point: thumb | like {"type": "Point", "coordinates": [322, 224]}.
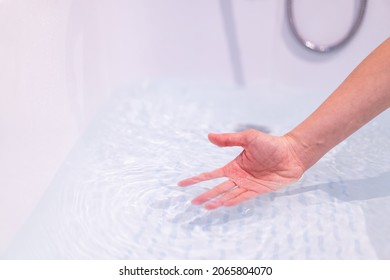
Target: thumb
{"type": "Point", "coordinates": [228, 139]}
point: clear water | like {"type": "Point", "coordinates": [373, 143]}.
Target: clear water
{"type": "Point", "coordinates": [115, 197]}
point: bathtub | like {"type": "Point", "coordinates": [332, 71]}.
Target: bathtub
{"type": "Point", "coordinates": [62, 62]}
{"type": "Point", "coordinates": [115, 196]}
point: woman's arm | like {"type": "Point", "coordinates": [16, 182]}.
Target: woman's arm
{"type": "Point", "coordinates": [361, 97]}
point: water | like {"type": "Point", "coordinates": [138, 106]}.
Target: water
{"type": "Point", "coordinates": [115, 197]}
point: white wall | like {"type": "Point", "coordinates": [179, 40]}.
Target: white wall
{"type": "Point", "coordinates": [60, 60]}
{"type": "Point", "coordinates": [270, 51]}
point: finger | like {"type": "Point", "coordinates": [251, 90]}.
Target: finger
{"type": "Point", "coordinates": [226, 197]}
{"type": "Point", "coordinates": [217, 173]}
{"type": "Point", "coordinates": [240, 198]}
{"type": "Point", "coordinates": [229, 139]}
{"type": "Point", "coordinates": [214, 192]}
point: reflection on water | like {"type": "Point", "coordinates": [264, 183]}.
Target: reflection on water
{"type": "Point", "coordinates": [115, 197]}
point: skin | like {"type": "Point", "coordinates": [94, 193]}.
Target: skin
{"type": "Point", "coordinates": [268, 163]}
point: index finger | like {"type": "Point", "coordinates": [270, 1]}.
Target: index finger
{"type": "Point", "coordinates": [217, 173]}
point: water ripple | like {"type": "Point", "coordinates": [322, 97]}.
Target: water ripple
{"type": "Point", "coordinates": [116, 197]}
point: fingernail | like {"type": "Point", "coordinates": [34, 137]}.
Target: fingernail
{"type": "Point", "coordinates": [196, 202]}
{"type": "Point", "coordinates": [213, 205]}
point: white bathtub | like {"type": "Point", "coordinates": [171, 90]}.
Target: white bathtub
{"type": "Point", "coordinates": [115, 196]}
{"type": "Point", "coordinates": [61, 61]}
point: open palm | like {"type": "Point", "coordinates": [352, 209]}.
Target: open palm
{"type": "Point", "coordinates": [266, 164]}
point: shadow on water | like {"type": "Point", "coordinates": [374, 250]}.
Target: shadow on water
{"type": "Point", "coordinates": [262, 128]}
{"type": "Point", "coordinates": [351, 190]}
{"type": "Point", "coordinates": [372, 195]}
{"type": "Point", "coordinates": [364, 191]}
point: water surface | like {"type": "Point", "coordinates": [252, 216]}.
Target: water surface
{"type": "Point", "coordinates": [115, 196]}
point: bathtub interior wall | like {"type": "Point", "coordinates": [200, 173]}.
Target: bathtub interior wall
{"type": "Point", "coordinates": [60, 61]}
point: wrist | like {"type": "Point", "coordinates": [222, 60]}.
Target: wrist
{"type": "Point", "coordinates": [305, 154]}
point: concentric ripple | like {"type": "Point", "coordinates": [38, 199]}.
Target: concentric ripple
{"type": "Point", "coordinates": [115, 197]}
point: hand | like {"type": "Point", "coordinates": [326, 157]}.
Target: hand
{"type": "Point", "coordinates": [266, 164]}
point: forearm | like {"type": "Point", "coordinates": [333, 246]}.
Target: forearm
{"type": "Point", "coordinates": [361, 97]}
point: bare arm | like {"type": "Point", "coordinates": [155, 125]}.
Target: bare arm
{"type": "Point", "coordinates": [268, 163]}
{"type": "Point", "coordinates": [361, 97]}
